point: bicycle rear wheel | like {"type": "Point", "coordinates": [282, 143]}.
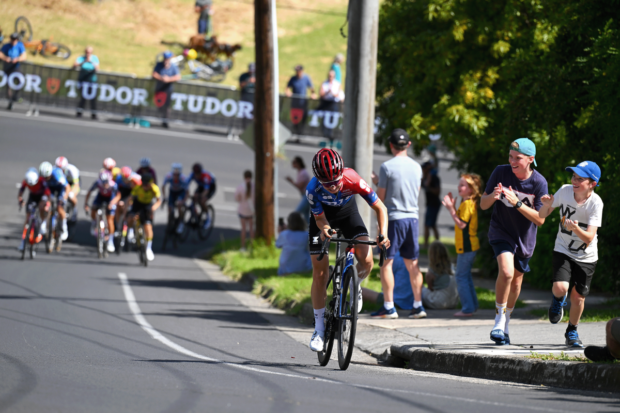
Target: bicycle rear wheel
{"type": "Point", "coordinates": [49, 245]}
{"type": "Point", "coordinates": [347, 326]}
{"type": "Point", "coordinates": [205, 225]}
{"type": "Point", "coordinates": [330, 331]}
{"type": "Point", "coordinates": [53, 50]}
{"type": "Point", "coordinates": [23, 27]}
{"type": "Point", "coordinates": [27, 239]}
{"type": "Point", "coordinates": [100, 238]}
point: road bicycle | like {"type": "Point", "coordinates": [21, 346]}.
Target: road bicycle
{"type": "Point", "coordinates": [46, 48]}
{"type": "Point", "coordinates": [71, 220]}
{"type": "Point", "coordinates": [121, 242]}
{"type": "Point", "coordinates": [31, 235]}
{"type": "Point", "coordinates": [140, 241]}
{"type": "Point", "coordinates": [102, 230]}
{"type": "Point", "coordinates": [201, 222]}
{"type": "Point", "coordinates": [341, 311]}
{"type": "Point", "coordinates": [211, 72]}
{"type": "Point", "coordinates": [53, 239]}
{"type": "Point", "coordinates": [171, 234]}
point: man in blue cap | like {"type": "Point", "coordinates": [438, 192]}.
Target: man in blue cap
{"type": "Point", "coordinates": [12, 54]}
{"type": "Point", "coordinates": [514, 223]}
{"type": "Point", "coordinates": [575, 254]}
{"type": "Point", "coordinates": [165, 73]}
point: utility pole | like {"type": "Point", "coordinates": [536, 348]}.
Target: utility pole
{"type": "Point", "coordinates": [360, 86]}
{"type": "Point", "coordinates": [264, 150]}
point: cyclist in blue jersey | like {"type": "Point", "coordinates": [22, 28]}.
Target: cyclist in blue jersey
{"type": "Point", "coordinates": [107, 192]}
{"type": "Point", "coordinates": [206, 185]}
{"type": "Point", "coordinates": [59, 187]}
{"type": "Point", "coordinates": [177, 196]}
{"type": "Point", "coordinates": [331, 197]}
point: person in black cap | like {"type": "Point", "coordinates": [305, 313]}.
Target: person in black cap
{"type": "Point", "coordinates": [398, 186]}
{"type": "Point", "coordinates": [12, 54]}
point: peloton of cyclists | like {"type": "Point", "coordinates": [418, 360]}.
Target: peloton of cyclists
{"type": "Point", "coordinates": [72, 173]}
{"type": "Point", "coordinates": [178, 193]}
{"type": "Point", "coordinates": [38, 194]}
{"type": "Point", "coordinates": [107, 192]}
{"type": "Point", "coordinates": [59, 187]}
{"type": "Point", "coordinates": [143, 196]}
{"type": "Point", "coordinates": [206, 186]}
{"type": "Point", "coordinates": [331, 197]}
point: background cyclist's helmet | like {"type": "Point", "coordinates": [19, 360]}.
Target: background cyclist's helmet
{"type": "Point", "coordinates": [177, 168]}
{"type": "Point", "coordinates": [327, 165]}
{"type": "Point", "coordinates": [145, 163]}
{"type": "Point", "coordinates": [126, 172]}
{"type": "Point", "coordinates": [62, 162]}
{"type": "Point", "coordinates": [32, 177]}
{"type": "Point", "coordinates": [105, 176]}
{"type": "Point", "coordinates": [109, 163]}
{"type": "Point", "coordinates": [147, 178]}
{"type": "Point", "coordinates": [197, 168]}
{"type": "Point", "coordinates": [45, 169]}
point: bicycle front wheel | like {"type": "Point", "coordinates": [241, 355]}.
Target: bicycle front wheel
{"type": "Point", "coordinates": [330, 331]}
{"type": "Point", "coordinates": [23, 28]}
{"type": "Point", "coordinates": [206, 223]}
{"type": "Point", "coordinates": [347, 325]}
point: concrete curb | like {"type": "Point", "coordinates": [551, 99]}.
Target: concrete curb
{"type": "Point", "coordinates": [565, 374]}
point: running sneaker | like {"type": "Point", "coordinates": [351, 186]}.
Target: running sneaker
{"type": "Point", "coordinates": [418, 312]}
{"type": "Point", "coordinates": [499, 337]}
{"type": "Point", "coordinates": [556, 312]}
{"type": "Point", "coordinates": [598, 354]}
{"type": "Point", "coordinates": [572, 339]}
{"type": "Point", "coordinates": [383, 313]}
{"type": "Point", "coordinates": [149, 255]}
{"type": "Point", "coordinates": [316, 342]}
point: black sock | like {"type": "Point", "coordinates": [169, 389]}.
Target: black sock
{"type": "Point", "coordinates": [571, 327]}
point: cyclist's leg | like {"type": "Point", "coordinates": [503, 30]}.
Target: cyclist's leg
{"type": "Point", "coordinates": [320, 269]}
{"type": "Point", "coordinates": [62, 196]}
{"type": "Point", "coordinates": [110, 213]}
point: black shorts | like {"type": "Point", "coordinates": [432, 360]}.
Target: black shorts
{"type": "Point", "coordinates": [125, 192]}
{"type": "Point", "coordinates": [346, 218]}
{"type": "Point", "coordinates": [576, 274]}
{"type": "Point", "coordinates": [34, 199]}
{"type": "Point", "coordinates": [144, 211]}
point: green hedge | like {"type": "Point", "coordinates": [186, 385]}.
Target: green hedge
{"type": "Point", "coordinates": [483, 73]}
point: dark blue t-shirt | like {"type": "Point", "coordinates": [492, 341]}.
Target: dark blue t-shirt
{"type": "Point", "coordinates": [165, 71]}
{"type": "Point", "coordinates": [300, 85]}
{"type": "Point", "coordinates": [508, 224]}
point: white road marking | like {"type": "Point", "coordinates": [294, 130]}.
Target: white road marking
{"type": "Point", "coordinates": [146, 326]}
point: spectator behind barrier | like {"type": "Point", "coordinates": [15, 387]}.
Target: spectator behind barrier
{"type": "Point", "coordinates": [295, 257]}
{"type": "Point", "coordinates": [441, 292]}
{"type": "Point", "coordinates": [166, 74]}
{"type": "Point", "coordinates": [336, 67]}
{"type": "Point", "coordinates": [89, 66]}
{"type": "Point", "coordinates": [303, 178]}
{"type": "Point", "coordinates": [12, 53]}
{"type": "Point", "coordinates": [244, 195]}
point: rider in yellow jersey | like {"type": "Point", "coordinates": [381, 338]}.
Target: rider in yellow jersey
{"type": "Point", "coordinates": [143, 197]}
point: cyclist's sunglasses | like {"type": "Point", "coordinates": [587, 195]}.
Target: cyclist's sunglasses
{"type": "Point", "coordinates": [329, 184]}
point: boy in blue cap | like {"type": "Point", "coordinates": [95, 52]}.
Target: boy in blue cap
{"type": "Point", "coordinates": [514, 223]}
{"type": "Point", "coordinates": [575, 253]}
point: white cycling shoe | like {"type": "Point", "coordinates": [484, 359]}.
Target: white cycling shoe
{"type": "Point", "coordinates": [317, 342]}
{"type": "Point", "coordinates": [65, 232]}
{"type": "Point", "coordinates": [43, 228]}
{"type": "Point", "coordinates": [111, 247]}
{"type": "Point", "coordinates": [360, 301]}
{"type": "Point", "coordinates": [149, 255]}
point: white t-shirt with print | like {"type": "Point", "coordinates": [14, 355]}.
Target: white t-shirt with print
{"type": "Point", "coordinates": [589, 213]}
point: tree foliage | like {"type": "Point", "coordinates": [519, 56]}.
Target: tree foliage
{"type": "Point", "coordinates": [483, 73]}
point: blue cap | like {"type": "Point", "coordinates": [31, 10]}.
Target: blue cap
{"type": "Point", "coordinates": [587, 169]}
{"type": "Point", "coordinates": [524, 146]}
{"type": "Point", "coordinates": [168, 54]}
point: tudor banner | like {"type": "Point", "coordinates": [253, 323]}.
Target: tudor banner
{"type": "Point", "coordinates": [190, 101]}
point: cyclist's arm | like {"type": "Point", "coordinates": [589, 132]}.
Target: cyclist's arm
{"type": "Point", "coordinates": [382, 217]}
{"type": "Point", "coordinates": [88, 196]}
{"type": "Point", "coordinates": [116, 198]}
{"type": "Point", "coordinates": [323, 225]}
{"type": "Point", "coordinates": [20, 193]}
{"type": "Point", "coordinates": [156, 204]}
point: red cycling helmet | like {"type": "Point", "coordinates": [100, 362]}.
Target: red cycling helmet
{"type": "Point", "coordinates": [327, 165]}
{"type": "Point", "coordinates": [126, 172]}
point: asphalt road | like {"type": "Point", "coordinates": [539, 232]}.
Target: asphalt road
{"type": "Point", "coordinates": [81, 334]}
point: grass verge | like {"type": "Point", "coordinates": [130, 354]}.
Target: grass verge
{"type": "Point", "coordinates": [604, 312]}
{"type": "Point", "coordinates": [564, 357]}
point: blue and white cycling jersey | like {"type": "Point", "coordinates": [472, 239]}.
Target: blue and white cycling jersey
{"type": "Point", "coordinates": [109, 192]}
{"type": "Point", "coordinates": [57, 180]}
{"type": "Point", "coordinates": [176, 185]}
{"type": "Point", "coordinates": [352, 184]}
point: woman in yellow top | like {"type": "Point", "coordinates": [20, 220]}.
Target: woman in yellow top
{"type": "Point", "coordinates": [143, 196]}
{"type": "Point", "coordinates": [466, 238]}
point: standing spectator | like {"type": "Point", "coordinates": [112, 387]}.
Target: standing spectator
{"type": "Point", "coordinates": [576, 246]}
{"type": "Point", "coordinates": [432, 187]}
{"type": "Point", "coordinates": [514, 224]}
{"type": "Point", "coordinates": [204, 8]}
{"type": "Point", "coordinates": [336, 67]}
{"type": "Point", "coordinates": [302, 181]}
{"type": "Point", "coordinates": [466, 238]}
{"type": "Point", "coordinates": [165, 73]}
{"type": "Point", "coordinates": [441, 292]}
{"type": "Point", "coordinates": [331, 93]}
{"type": "Point", "coordinates": [89, 66]}
{"type": "Point", "coordinates": [12, 53]}
{"type": "Point", "coordinates": [398, 185]}
{"type": "Point", "coordinates": [247, 84]}
{"type": "Point", "coordinates": [297, 87]}
{"type": "Point", "coordinates": [295, 255]}
{"type": "Point", "coordinates": [611, 351]}
{"type": "Point", "coordinates": [244, 195]}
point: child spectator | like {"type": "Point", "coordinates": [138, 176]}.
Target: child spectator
{"type": "Point", "coordinates": [441, 292]}
{"type": "Point", "coordinates": [295, 255]}
{"type": "Point", "coordinates": [244, 195]}
{"type": "Point", "coordinates": [466, 238]}
{"type": "Point", "coordinates": [575, 253]}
